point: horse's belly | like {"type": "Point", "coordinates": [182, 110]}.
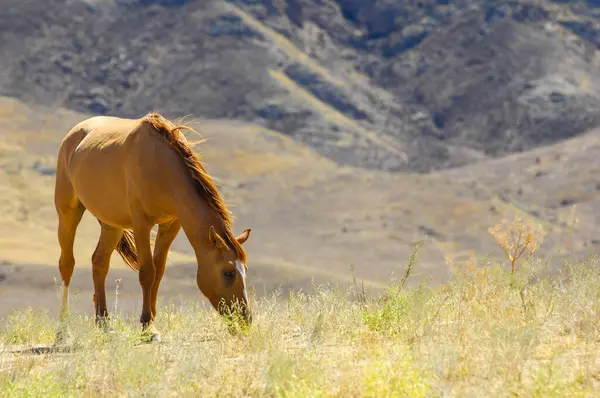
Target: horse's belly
{"type": "Point", "coordinates": [104, 201]}
{"type": "Point", "coordinates": [104, 204]}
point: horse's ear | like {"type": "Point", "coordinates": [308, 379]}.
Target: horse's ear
{"type": "Point", "coordinates": [215, 240]}
{"type": "Point", "coordinates": [243, 237]}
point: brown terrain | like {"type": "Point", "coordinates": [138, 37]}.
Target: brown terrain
{"type": "Point", "coordinates": [311, 218]}
{"type": "Point", "coordinates": [384, 84]}
{"type": "Point", "coordinates": [341, 132]}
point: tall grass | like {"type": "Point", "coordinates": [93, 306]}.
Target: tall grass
{"type": "Point", "coordinates": [486, 332]}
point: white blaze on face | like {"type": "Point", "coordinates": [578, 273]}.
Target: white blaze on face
{"type": "Point", "coordinates": [242, 270]}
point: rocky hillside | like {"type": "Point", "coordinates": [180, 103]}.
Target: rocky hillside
{"type": "Point", "coordinates": [411, 85]}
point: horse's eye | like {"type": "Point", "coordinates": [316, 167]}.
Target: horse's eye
{"type": "Point", "coordinates": [229, 276]}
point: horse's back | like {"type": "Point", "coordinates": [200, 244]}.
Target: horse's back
{"type": "Point", "coordinates": [112, 161]}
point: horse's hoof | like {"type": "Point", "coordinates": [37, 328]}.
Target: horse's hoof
{"type": "Point", "coordinates": [151, 338]}
{"type": "Point", "coordinates": [110, 334]}
{"type": "Point", "coordinates": [151, 335]}
{"type": "Point", "coordinates": [108, 329]}
{"type": "Point", "coordinates": [155, 337]}
{"type": "Point", "coordinates": [60, 337]}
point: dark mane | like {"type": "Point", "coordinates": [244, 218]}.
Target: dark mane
{"type": "Point", "coordinates": [204, 184]}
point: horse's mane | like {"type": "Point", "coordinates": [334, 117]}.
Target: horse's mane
{"type": "Point", "coordinates": [204, 184]}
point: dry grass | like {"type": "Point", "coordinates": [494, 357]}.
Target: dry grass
{"type": "Point", "coordinates": [486, 332]}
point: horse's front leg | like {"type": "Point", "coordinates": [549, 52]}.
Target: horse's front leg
{"type": "Point", "coordinates": [147, 274]}
{"type": "Point", "coordinates": [165, 237]}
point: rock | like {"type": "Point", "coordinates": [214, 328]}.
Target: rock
{"type": "Point", "coordinates": [46, 170]}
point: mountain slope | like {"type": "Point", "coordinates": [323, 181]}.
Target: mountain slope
{"type": "Point", "coordinates": [414, 86]}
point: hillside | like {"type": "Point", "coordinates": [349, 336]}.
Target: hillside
{"type": "Point", "coordinates": [412, 86]}
{"type": "Point", "coordinates": [311, 218]}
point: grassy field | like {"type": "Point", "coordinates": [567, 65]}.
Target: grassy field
{"type": "Point", "coordinates": [480, 332]}
{"type": "Point", "coordinates": [485, 332]}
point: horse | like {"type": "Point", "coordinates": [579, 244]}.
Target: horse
{"type": "Point", "coordinates": [133, 174]}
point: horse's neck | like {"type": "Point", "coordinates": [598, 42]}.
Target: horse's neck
{"type": "Point", "coordinates": [196, 217]}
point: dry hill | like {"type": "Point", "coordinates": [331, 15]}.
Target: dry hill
{"type": "Point", "coordinates": [411, 85]}
{"type": "Point", "coordinates": [311, 219]}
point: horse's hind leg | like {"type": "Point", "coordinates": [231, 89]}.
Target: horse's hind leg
{"type": "Point", "coordinates": [109, 238]}
{"type": "Point", "coordinates": [69, 210]}
{"type": "Point", "coordinates": [68, 220]}
{"type": "Point", "coordinates": [69, 217]}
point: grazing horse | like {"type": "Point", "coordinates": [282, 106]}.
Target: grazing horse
{"type": "Point", "coordinates": [132, 174]}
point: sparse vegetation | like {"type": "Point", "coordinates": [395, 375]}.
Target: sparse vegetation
{"type": "Point", "coordinates": [486, 332]}
{"type": "Point", "coordinates": [517, 237]}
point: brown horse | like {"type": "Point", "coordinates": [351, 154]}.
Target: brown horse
{"type": "Point", "coordinates": [132, 174]}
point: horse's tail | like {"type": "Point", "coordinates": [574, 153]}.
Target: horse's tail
{"type": "Point", "coordinates": [126, 248]}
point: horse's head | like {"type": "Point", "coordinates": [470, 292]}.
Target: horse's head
{"type": "Point", "coordinates": [222, 279]}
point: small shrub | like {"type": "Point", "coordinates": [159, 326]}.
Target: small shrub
{"type": "Point", "coordinates": [517, 237]}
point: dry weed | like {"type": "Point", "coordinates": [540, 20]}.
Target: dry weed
{"type": "Point", "coordinates": [517, 237]}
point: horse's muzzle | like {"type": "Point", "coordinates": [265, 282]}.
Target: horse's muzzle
{"type": "Point", "coordinates": [241, 309]}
